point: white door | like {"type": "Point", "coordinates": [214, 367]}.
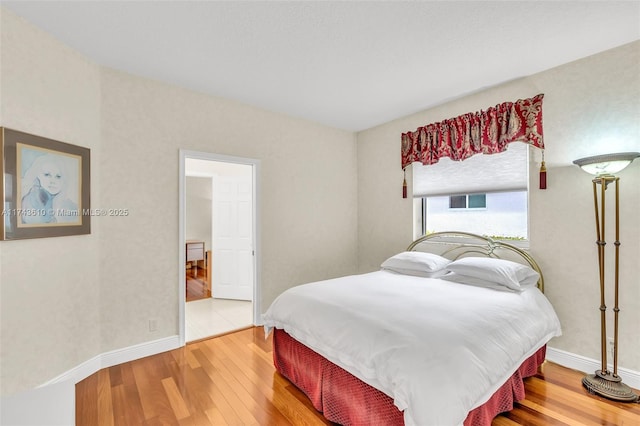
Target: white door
{"type": "Point", "coordinates": [232, 257]}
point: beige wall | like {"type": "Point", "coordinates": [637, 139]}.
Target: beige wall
{"type": "Point", "coordinates": [50, 287]}
{"type": "Point", "coordinates": [590, 107]}
{"type": "Point", "coordinates": [65, 300]}
{"type": "Point", "coordinates": [307, 181]}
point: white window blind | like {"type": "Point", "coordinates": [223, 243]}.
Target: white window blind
{"type": "Point", "coordinates": [506, 171]}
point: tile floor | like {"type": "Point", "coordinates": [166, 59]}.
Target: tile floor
{"type": "Point", "coordinates": [211, 317]}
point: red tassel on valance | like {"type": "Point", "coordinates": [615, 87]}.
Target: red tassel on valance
{"type": "Point", "coordinates": [404, 184]}
{"type": "Point", "coordinates": [543, 174]}
{"type": "Point", "coordinates": [482, 132]}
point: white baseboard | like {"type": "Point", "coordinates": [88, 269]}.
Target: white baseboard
{"type": "Point", "coordinates": [55, 399]}
{"type": "Point", "coordinates": [588, 365]}
{"type": "Point", "coordinates": [115, 357]}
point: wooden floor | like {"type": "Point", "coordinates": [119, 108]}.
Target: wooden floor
{"type": "Point", "coordinates": [231, 380]}
{"type": "Point", "coordinates": [195, 284]}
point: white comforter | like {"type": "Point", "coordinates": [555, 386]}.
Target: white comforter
{"type": "Point", "coordinates": [438, 348]}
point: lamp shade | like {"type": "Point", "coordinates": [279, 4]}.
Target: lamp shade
{"type": "Point", "coordinates": [606, 164]}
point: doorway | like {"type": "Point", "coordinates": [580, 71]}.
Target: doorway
{"type": "Point", "coordinates": [218, 244]}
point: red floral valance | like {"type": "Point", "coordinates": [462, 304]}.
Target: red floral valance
{"type": "Point", "coordinates": [486, 132]}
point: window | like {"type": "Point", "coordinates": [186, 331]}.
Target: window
{"type": "Point", "coordinates": [500, 214]}
{"type": "Point", "coordinates": [470, 201]}
{"type": "Point", "coordinates": [458, 202]}
{"type": "Point", "coordinates": [485, 194]}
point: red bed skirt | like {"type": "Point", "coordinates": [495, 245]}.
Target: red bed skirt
{"type": "Point", "coordinates": [342, 398]}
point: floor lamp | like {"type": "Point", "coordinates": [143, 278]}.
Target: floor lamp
{"type": "Point", "coordinates": [605, 382]}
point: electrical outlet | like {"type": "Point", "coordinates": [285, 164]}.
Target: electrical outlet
{"type": "Point", "coordinates": [611, 346]}
{"type": "Point", "coordinates": [153, 324]}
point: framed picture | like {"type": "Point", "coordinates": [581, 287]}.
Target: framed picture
{"type": "Point", "coordinates": [45, 187]}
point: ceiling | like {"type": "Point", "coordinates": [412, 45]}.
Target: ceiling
{"type": "Point", "coordinates": [349, 65]}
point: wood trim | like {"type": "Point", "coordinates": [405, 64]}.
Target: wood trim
{"type": "Point", "coordinates": [209, 270]}
{"type": "Point", "coordinates": [115, 357]}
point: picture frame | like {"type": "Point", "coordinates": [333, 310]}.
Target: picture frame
{"type": "Point", "coordinates": [46, 187]}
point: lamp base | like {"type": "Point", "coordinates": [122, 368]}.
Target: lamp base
{"type": "Point", "coordinates": [609, 386]}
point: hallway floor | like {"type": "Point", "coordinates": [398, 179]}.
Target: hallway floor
{"type": "Point", "coordinates": [211, 317]}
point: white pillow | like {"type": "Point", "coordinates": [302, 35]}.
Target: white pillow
{"type": "Point", "coordinates": [423, 274]}
{"type": "Point", "coordinates": [476, 282]}
{"type": "Point", "coordinates": [499, 271]}
{"type": "Point", "coordinates": [416, 263]}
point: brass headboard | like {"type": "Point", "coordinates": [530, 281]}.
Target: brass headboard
{"type": "Point", "coordinates": [454, 245]}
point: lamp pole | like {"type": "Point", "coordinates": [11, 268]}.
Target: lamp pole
{"type": "Point", "coordinates": [605, 382]}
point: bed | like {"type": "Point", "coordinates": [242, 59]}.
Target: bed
{"type": "Point", "coordinates": [442, 334]}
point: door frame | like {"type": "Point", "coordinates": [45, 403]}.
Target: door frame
{"type": "Point", "coordinates": [257, 299]}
